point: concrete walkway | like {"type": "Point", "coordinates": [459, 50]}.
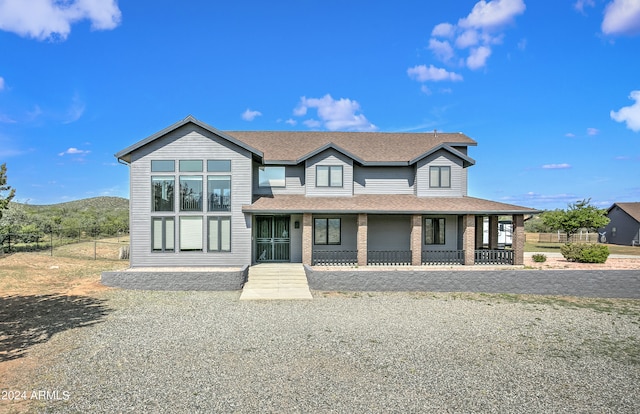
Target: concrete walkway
{"type": "Point", "coordinates": [276, 281]}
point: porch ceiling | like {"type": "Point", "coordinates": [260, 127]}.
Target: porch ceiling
{"type": "Point", "coordinates": [382, 204]}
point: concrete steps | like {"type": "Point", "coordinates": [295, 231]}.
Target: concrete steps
{"type": "Point", "coordinates": [276, 281]}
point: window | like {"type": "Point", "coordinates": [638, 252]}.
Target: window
{"type": "Point", "coordinates": [271, 177]}
{"type": "Point", "coordinates": [440, 177]}
{"type": "Point", "coordinates": [162, 234]}
{"type": "Point", "coordinates": [219, 188]}
{"type": "Point", "coordinates": [434, 231]}
{"type": "Point", "coordinates": [326, 231]}
{"type": "Point", "coordinates": [162, 193]}
{"type": "Point", "coordinates": [190, 165]}
{"type": "Point", "coordinates": [163, 166]}
{"type": "Point", "coordinates": [219, 166]}
{"type": "Point", "coordinates": [219, 237]}
{"type": "Point", "coordinates": [191, 193]}
{"type": "Point", "coordinates": [329, 176]}
{"type": "Point", "coordinates": [191, 233]}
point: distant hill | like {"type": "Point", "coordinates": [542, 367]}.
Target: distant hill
{"type": "Point", "coordinates": [106, 204]}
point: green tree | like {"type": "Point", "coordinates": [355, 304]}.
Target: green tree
{"type": "Point", "coordinates": [5, 200]}
{"type": "Point", "coordinates": [579, 215]}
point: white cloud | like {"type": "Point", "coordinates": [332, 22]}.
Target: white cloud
{"type": "Point", "coordinates": [492, 14]}
{"type": "Point", "coordinates": [478, 57]}
{"type": "Point", "coordinates": [622, 17]}
{"type": "Point", "coordinates": [75, 110]}
{"type": "Point", "coordinates": [74, 151]}
{"type": "Point", "coordinates": [556, 166]}
{"type": "Point", "coordinates": [422, 73]}
{"type": "Point", "coordinates": [291, 122]}
{"type": "Point", "coordinates": [593, 131]}
{"type": "Point", "coordinates": [52, 19]}
{"type": "Point", "coordinates": [425, 89]}
{"type": "Point", "coordinates": [629, 114]}
{"type": "Point", "coordinates": [581, 4]}
{"type": "Point", "coordinates": [442, 49]}
{"type": "Point", "coordinates": [341, 114]}
{"type": "Point", "coordinates": [467, 39]}
{"type": "Point", "coordinates": [444, 30]}
{"type": "Point", "coordinates": [1, 83]}
{"type": "Point", "coordinates": [250, 115]}
{"type": "Point", "coordinates": [570, 135]}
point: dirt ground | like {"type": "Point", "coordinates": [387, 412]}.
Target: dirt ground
{"type": "Point", "coordinates": [562, 263]}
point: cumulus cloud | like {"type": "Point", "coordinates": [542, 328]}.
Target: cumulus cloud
{"type": "Point", "coordinates": [629, 114]}
{"type": "Point", "coordinates": [73, 151]}
{"type": "Point", "coordinates": [442, 49]}
{"type": "Point", "coordinates": [556, 166]}
{"type": "Point", "coordinates": [1, 83]}
{"type": "Point", "coordinates": [422, 73]}
{"type": "Point", "coordinates": [443, 30]}
{"type": "Point", "coordinates": [340, 114]}
{"type": "Point", "coordinates": [478, 57]}
{"type": "Point", "coordinates": [52, 19]}
{"type": "Point", "coordinates": [622, 17]}
{"type": "Point", "coordinates": [250, 115]}
{"type": "Point", "coordinates": [593, 131]}
{"type": "Point", "coordinates": [492, 14]}
{"type": "Point", "coordinates": [581, 4]}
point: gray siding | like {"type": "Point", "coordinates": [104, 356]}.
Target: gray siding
{"type": "Point", "coordinates": [388, 232]}
{"type": "Point", "coordinates": [383, 180]}
{"type": "Point", "coordinates": [189, 142]}
{"type": "Point", "coordinates": [458, 176]}
{"type": "Point", "coordinates": [627, 228]}
{"type": "Point", "coordinates": [348, 233]}
{"type": "Point", "coordinates": [329, 157]}
{"type": "Point", "coordinates": [294, 179]}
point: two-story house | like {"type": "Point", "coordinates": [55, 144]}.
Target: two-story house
{"type": "Point", "coordinates": [204, 197]}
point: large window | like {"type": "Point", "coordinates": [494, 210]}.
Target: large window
{"type": "Point", "coordinates": [434, 231]}
{"type": "Point", "coordinates": [191, 233]}
{"type": "Point", "coordinates": [326, 231]}
{"type": "Point", "coordinates": [162, 234]}
{"type": "Point", "coordinates": [190, 165]}
{"type": "Point", "coordinates": [271, 177]}
{"type": "Point", "coordinates": [219, 193]}
{"type": "Point", "coordinates": [190, 193]}
{"type": "Point", "coordinates": [219, 165]}
{"type": "Point", "coordinates": [162, 193]}
{"type": "Point", "coordinates": [163, 166]}
{"type": "Point", "coordinates": [440, 177]}
{"type": "Point", "coordinates": [329, 176]}
{"type": "Point", "coordinates": [219, 236]}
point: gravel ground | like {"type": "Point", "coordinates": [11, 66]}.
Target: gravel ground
{"type": "Point", "coordinates": [173, 352]}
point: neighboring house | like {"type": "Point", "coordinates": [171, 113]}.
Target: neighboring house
{"type": "Point", "coordinates": [624, 227]}
{"type": "Point", "coordinates": [204, 197]}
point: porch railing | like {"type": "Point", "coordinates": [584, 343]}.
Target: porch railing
{"type": "Point", "coordinates": [442, 257]}
{"type": "Point", "coordinates": [494, 257]}
{"type": "Point", "coordinates": [389, 257]}
{"type": "Point", "coordinates": [335, 258]}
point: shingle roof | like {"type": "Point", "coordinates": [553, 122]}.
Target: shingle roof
{"type": "Point", "coordinates": [378, 204]}
{"type": "Point", "coordinates": [632, 209]}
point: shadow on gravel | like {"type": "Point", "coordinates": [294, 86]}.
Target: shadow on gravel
{"type": "Point", "coordinates": [26, 321]}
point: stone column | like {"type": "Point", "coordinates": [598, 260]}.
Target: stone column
{"type": "Point", "coordinates": [479, 232]}
{"type": "Point", "coordinates": [362, 239]}
{"type": "Point", "coordinates": [493, 232]}
{"type": "Point", "coordinates": [469, 239]}
{"type": "Point", "coordinates": [517, 239]}
{"type": "Point", "coordinates": [307, 238]}
{"type": "Point", "coordinates": [416, 240]}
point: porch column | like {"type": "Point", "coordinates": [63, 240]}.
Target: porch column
{"type": "Point", "coordinates": [479, 232]}
{"type": "Point", "coordinates": [469, 239]}
{"type": "Point", "coordinates": [416, 240]}
{"type": "Point", "coordinates": [362, 239]}
{"type": "Point", "coordinates": [493, 232]}
{"type": "Point", "coordinates": [307, 238]}
{"type": "Point", "coordinates": [517, 239]}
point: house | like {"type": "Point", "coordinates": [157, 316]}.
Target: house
{"type": "Point", "coordinates": [205, 197]}
{"type": "Point", "coordinates": [624, 227]}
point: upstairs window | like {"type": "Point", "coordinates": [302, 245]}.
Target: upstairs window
{"type": "Point", "coordinates": [440, 177]}
{"type": "Point", "coordinates": [434, 231]}
{"type": "Point", "coordinates": [329, 176]}
{"type": "Point", "coordinates": [162, 193]}
{"type": "Point", "coordinates": [163, 166]}
{"type": "Point", "coordinates": [219, 165]}
{"type": "Point", "coordinates": [190, 165]}
{"type": "Point", "coordinates": [191, 193]}
{"type": "Point", "coordinates": [271, 177]}
{"type": "Point", "coordinates": [219, 197]}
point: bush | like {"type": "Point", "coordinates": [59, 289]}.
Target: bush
{"type": "Point", "coordinates": [585, 252]}
{"type": "Point", "coordinates": [539, 258]}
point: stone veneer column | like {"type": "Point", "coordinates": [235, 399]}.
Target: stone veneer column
{"type": "Point", "coordinates": [307, 238]}
{"type": "Point", "coordinates": [362, 239]}
{"type": "Point", "coordinates": [469, 239]}
{"type": "Point", "coordinates": [479, 232]}
{"type": "Point", "coordinates": [493, 232]}
{"type": "Point", "coordinates": [416, 240]}
{"type": "Point", "coordinates": [517, 239]}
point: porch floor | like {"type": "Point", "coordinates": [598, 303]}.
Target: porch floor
{"type": "Point", "coordinates": [276, 281]}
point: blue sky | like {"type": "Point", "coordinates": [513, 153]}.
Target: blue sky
{"type": "Point", "coordinates": [549, 89]}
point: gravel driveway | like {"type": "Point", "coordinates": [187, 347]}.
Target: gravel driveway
{"type": "Point", "coordinates": [173, 352]}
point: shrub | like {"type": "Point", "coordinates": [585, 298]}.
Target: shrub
{"type": "Point", "coordinates": [539, 258]}
{"type": "Point", "coordinates": [585, 252]}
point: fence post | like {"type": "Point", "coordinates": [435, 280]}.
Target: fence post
{"type": "Point", "coordinates": [95, 247]}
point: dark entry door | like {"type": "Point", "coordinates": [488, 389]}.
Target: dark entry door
{"type": "Point", "coordinates": [272, 239]}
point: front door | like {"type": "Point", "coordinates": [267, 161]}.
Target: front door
{"type": "Point", "coordinates": [272, 238]}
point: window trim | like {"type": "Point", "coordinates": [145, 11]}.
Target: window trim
{"type": "Point", "coordinates": [436, 228]}
{"type": "Point", "coordinates": [326, 230]}
{"type": "Point", "coordinates": [439, 168]}
{"type": "Point", "coordinates": [331, 171]}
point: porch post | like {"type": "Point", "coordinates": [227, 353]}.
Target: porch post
{"type": "Point", "coordinates": [416, 240]}
{"type": "Point", "coordinates": [479, 232]}
{"type": "Point", "coordinates": [469, 239]}
{"type": "Point", "coordinates": [362, 239]}
{"type": "Point", "coordinates": [307, 238]}
{"type": "Point", "coordinates": [493, 232]}
{"type": "Point", "coordinates": [517, 239]}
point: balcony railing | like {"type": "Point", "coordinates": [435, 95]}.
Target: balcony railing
{"type": "Point", "coordinates": [494, 257]}
{"type": "Point", "coordinates": [442, 257]}
{"type": "Point", "coordinates": [389, 257]}
{"type": "Point", "coordinates": [335, 258]}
